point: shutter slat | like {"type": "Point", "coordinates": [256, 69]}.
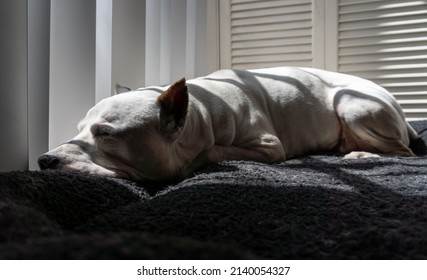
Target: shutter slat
{"type": "Point", "coordinates": [297, 25]}
{"type": "Point", "coordinates": [292, 2]}
{"type": "Point", "coordinates": [403, 39]}
{"type": "Point", "coordinates": [383, 22]}
{"type": "Point", "coordinates": [379, 48]}
{"type": "Point", "coordinates": [386, 66]}
{"type": "Point", "coordinates": [271, 35]}
{"type": "Point", "coordinates": [383, 32]}
{"type": "Point", "coordinates": [383, 5]}
{"type": "Point", "coordinates": [237, 14]}
{"type": "Point", "coordinates": [382, 58]}
{"type": "Point", "coordinates": [270, 43]}
{"type": "Point", "coordinates": [270, 58]}
{"type": "Point", "coordinates": [265, 64]}
{"type": "Point", "coordinates": [400, 13]}
{"type": "Point", "coordinates": [270, 19]}
{"type": "Point", "coordinates": [271, 50]}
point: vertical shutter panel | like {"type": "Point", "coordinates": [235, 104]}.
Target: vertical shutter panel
{"type": "Point", "coordinates": [386, 42]}
{"type": "Point", "coordinates": [270, 33]}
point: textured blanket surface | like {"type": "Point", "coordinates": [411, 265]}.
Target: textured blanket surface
{"type": "Point", "coordinates": [313, 207]}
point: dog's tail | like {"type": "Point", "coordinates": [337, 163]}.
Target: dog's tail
{"type": "Point", "coordinates": [417, 144]}
{"type": "Point", "coordinates": [413, 135]}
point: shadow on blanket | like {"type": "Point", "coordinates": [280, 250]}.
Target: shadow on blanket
{"type": "Point", "coordinates": [314, 207]}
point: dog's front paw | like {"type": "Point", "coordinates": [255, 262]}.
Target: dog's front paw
{"type": "Point", "coordinates": [357, 155]}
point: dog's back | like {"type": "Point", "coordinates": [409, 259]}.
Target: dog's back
{"type": "Point", "coordinates": [298, 105]}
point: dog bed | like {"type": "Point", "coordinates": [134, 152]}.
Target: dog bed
{"type": "Point", "coordinates": [312, 207]}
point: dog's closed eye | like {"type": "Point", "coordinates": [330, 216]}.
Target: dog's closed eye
{"type": "Point", "coordinates": [101, 130]}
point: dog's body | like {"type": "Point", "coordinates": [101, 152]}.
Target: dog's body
{"type": "Point", "coordinates": [267, 115]}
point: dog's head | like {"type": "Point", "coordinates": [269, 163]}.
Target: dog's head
{"type": "Point", "coordinates": [128, 135]}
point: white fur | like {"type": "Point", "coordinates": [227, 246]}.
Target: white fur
{"type": "Point", "coordinates": [267, 115]}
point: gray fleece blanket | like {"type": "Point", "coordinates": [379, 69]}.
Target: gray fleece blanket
{"type": "Point", "coordinates": [313, 207]}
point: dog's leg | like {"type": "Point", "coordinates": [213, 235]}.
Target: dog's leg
{"type": "Point", "coordinates": [370, 127]}
{"type": "Point", "coordinates": [360, 141]}
{"type": "Point", "coordinates": [267, 149]}
{"type": "Point", "coordinates": [357, 155]}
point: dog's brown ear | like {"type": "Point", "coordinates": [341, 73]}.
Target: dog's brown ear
{"type": "Point", "coordinates": [173, 107]}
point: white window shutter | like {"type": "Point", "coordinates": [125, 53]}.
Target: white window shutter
{"type": "Point", "coordinates": [386, 42]}
{"type": "Point", "coordinates": [382, 40]}
{"type": "Point", "coordinates": [266, 33]}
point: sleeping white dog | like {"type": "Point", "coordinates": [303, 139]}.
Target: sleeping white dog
{"type": "Point", "coordinates": [266, 115]}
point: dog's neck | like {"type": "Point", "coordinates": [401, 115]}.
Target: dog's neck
{"type": "Point", "coordinates": [195, 137]}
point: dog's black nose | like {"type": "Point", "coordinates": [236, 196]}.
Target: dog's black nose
{"type": "Point", "coordinates": [48, 162]}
